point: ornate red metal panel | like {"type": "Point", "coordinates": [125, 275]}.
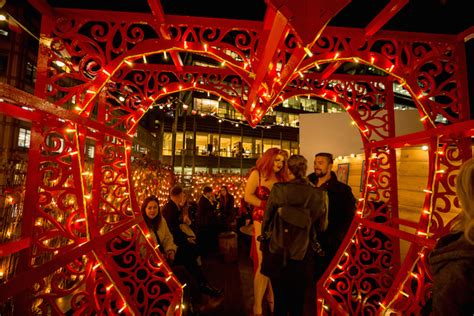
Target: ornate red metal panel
{"type": "Point", "coordinates": [82, 225]}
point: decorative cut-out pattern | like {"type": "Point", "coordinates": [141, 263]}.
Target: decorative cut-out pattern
{"type": "Point", "coordinates": [83, 233]}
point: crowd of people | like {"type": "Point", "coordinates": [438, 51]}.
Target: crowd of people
{"type": "Point", "coordinates": [187, 231]}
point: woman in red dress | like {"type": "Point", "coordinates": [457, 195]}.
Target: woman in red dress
{"type": "Point", "coordinates": [269, 169]}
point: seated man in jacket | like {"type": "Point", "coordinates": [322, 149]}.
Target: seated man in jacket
{"type": "Point", "coordinates": [187, 253]}
{"type": "Point", "coordinates": [172, 212]}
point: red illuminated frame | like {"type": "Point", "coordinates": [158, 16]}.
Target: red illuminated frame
{"type": "Point", "coordinates": [110, 70]}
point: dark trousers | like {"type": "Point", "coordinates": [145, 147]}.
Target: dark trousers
{"type": "Point", "coordinates": [207, 239]}
{"type": "Point", "coordinates": [291, 285]}
{"type": "Point", "coordinates": [186, 256]}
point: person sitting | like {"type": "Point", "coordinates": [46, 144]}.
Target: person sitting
{"type": "Point", "coordinates": [452, 260]}
{"type": "Point", "coordinates": [183, 264]}
{"type": "Point", "coordinates": [176, 217]}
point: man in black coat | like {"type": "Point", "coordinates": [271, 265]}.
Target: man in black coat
{"type": "Point", "coordinates": [187, 253]}
{"type": "Point", "coordinates": [173, 215]}
{"type": "Point", "coordinates": [206, 222]}
{"type": "Point", "coordinates": [342, 205]}
{"type": "Point", "coordinates": [341, 210]}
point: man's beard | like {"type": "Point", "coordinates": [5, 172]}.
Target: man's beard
{"type": "Point", "coordinates": [319, 173]}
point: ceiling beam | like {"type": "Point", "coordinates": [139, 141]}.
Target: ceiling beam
{"type": "Point", "coordinates": [157, 10]}
{"type": "Point", "coordinates": [330, 69]}
{"type": "Point", "coordinates": [42, 6]}
{"type": "Point", "coordinates": [309, 17]}
{"type": "Point", "coordinates": [159, 14]}
{"type": "Point", "coordinates": [275, 25]}
{"type": "Point", "coordinates": [384, 16]}
{"type": "Point", "coordinates": [466, 35]}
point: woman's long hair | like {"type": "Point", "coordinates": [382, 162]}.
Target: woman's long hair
{"type": "Point", "coordinates": [152, 223]}
{"type": "Point", "coordinates": [465, 194]}
{"type": "Point", "coordinates": [264, 164]}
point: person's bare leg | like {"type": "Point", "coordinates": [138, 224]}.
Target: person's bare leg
{"type": "Point", "coordinates": [269, 296]}
{"type": "Point", "coordinates": [260, 282]}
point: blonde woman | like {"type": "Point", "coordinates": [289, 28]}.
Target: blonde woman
{"type": "Point", "coordinates": [452, 260]}
{"type": "Point", "coordinates": [269, 169]}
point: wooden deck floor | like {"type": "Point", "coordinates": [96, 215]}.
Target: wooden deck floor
{"type": "Point", "coordinates": [236, 279]}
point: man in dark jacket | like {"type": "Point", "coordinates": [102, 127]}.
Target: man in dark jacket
{"type": "Point", "coordinates": [206, 222]}
{"type": "Point", "coordinates": [172, 213]}
{"type": "Point", "coordinates": [187, 253]}
{"type": "Point", "coordinates": [342, 205]}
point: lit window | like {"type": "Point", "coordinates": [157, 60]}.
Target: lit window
{"type": "Point", "coordinates": [206, 105]}
{"type": "Point", "coordinates": [90, 151]}
{"type": "Point", "coordinates": [24, 138]}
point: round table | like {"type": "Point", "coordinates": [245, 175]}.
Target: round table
{"type": "Point", "coordinates": [247, 230]}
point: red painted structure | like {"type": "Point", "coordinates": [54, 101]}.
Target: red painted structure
{"type": "Point", "coordinates": [83, 238]}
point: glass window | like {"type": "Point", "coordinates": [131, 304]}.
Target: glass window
{"type": "Point", "coordinates": [276, 143]}
{"type": "Point", "coordinates": [24, 136]}
{"type": "Point", "coordinates": [285, 119]}
{"type": "Point", "coordinates": [167, 144]}
{"type": "Point", "coordinates": [225, 149]}
{"type": "Point", "coordinates": [90, 151]}
{"type": "Point", "coordinates": [258, 148]}
{"type": "Point", "coordinates": [204, 64]}
{"type": "Point", "coordinates": [30, 73]}
{"type": "Point", "coordinates": [294, 103]}
{"type": "Point", "coordinates": [267, 144]}
{"type": "Point", "coordinates": [206, 105]}
{"type": "Point", "coordinates": [238, 116]}
{"type": "Point", "coordinates": [201, 143]}
{"type": "Point", "coordinates": [293, 119]}
{"type": "Point", "coordinates": [294, 148]}
{"type": "Point", "coordinates": [279, 118]}
{"type": "Point", "coordinates": [223, 110]}
{"type": "Point", "coordinates": [309, 104]}
{"type": "Point", "coordinates": [236, 146]}
{"type": "Point", "coordinates": [179, 143]}
{"type": "Point", "coordinates": [189, 142]}
{"type": "Point", "coordinates": [247, 148]}
{"type": "Point", "coordinates": [213, 145]}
